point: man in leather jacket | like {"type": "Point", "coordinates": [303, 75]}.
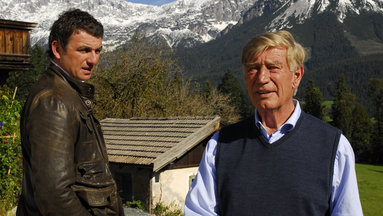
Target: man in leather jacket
{"type": "Point", "coordinates": [65, 162]}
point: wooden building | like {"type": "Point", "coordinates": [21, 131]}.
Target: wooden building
{"type": "Point", "coordinates": [15, 46]}
{"type": "Point", "coordinates": [156, 159]}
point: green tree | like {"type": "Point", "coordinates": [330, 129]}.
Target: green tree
{"type": "Point", "coordinates": [144, 80]}
{"type": "Point", "coordinates": [207, 90]}
{"type": "Point", "coordinates": [232, 87]}
{"type": "Point", "coordinates": [361, 134]}
{"type": "Point", "coordinates": [25, 79]}
{"type": "Point", "coordinates": [313, 100]}
{"type": "Point", "coordinates": [375, 92]}
{"type": "Point", "coordinates": [341, 112]}
{"type": "Point", "coordinates": [135, 81]}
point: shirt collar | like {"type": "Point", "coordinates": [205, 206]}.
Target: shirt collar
{"type": "Point", "coordinates": [60, 68]}
{"type": "Point", "coordinates": [85, 89]}
{"type": "Point", "coordinates": [288, 125]}
{"type": "Point", "coordinates": [68, 74]}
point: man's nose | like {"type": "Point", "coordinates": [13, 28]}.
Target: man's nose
{"type": "Point", "coordinates": [92, 58]}
{"type": "Point", "coordinates": [263, 75]}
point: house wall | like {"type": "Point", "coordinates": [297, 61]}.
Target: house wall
{"type": "Point", "coordinates": [14, 41]}
{"type": "Point", "coordinates": [172, 186]}
{"type": "Point", "coordinates": [15, 47]}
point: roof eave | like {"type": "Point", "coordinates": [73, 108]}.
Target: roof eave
{"type": "Point", "coordinates": [185, 145]}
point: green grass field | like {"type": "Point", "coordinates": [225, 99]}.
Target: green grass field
{"type": "Point", "coordinates": [370, 182]}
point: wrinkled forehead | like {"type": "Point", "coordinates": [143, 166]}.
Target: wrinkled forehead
{"type": "Point", "coordinates": [267, 55]}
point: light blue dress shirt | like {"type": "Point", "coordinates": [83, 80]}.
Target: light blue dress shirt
{"type": "Point", "coordinates": [201, 199]}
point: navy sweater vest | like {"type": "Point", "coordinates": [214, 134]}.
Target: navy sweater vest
{"type": "Point", "coordinates": [292, 176]}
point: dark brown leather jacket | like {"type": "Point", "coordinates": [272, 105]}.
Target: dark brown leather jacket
{"type": "Point", "coordinates": [66, 169]}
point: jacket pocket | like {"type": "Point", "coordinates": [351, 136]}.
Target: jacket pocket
{"type": "Point", "coordinates": [95, 197]}
{"type": "Point", "coordinates": [94, 173]}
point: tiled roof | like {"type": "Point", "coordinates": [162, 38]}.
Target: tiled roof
{"type": "Point", "coordinates": [156, 141]}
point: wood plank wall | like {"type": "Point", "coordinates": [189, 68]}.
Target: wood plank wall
{"type": "Point", "coordinates": [14, 44]}
{"type": "Point", "coordinates": [15, 47]}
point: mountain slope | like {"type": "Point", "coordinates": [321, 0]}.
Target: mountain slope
{"type": "Point", "coordinates": [291, 12]}
{"type": "Point", "coordinates": [183, 22]}
{"type": "Point", "coordinates": [331, 34]}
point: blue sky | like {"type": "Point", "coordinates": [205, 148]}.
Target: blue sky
{"type": "Point", "coordinates": [151, 2]}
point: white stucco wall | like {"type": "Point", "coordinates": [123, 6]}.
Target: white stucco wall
{"type": "Point", "coordinates": [172, 186]}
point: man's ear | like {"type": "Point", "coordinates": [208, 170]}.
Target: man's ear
{"type": "Point", "coordinates": [56, 49]}
{"type": "Point", "coordinates": [297, 76]}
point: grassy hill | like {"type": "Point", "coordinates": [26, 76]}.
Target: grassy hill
{"type": "Point", "coordinates": [370, 182]}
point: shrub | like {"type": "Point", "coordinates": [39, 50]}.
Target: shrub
{"type": "Point", "coordinates": [136, 204]}
{"type": "Point", "coordinates": [167, 210]}
{"type": "Point", "coordinates": [10, 150]}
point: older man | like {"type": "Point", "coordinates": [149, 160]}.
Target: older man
{"type": "Point", "coordinates": [281, 161]}
{"type": "Point", "coordinates": [66, 169]}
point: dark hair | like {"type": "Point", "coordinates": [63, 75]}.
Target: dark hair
{"type": "Point", "coordinates": [71, 21]}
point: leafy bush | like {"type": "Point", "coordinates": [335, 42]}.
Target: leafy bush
{"type": "Point", "coordinates": [136, 204]}
{"type": "Point", "coordinates": [10, 150]}
{"type": "Point", "coordinates": [167, 210]}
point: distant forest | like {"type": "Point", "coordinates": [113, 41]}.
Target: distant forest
{"type": "Point", "coordinates": [357, 72]}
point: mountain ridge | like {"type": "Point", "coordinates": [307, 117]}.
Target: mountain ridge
{"type": "Point", "coordinates": [331, 44]}
{"type": "Point", "coordinates": [184, 22]}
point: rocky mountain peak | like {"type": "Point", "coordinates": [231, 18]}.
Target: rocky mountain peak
{"type": "Point", "coordinates": [180, 23]}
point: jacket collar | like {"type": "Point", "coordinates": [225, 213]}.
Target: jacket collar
{"type": "Point", "coordinates": [84, 89]}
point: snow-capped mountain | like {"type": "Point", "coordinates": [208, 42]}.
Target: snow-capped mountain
{"type": "Point", "coordinates": [331, 31]}
{"type": "Point", "coordinates": [290, 12]}
{"type": "Point", "coordinates": [183, 22]}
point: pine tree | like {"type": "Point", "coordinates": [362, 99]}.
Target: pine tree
{"type": "Point", "coordinates": [361, 134]}
{"type": "Point", "coordinates": [24, 80]}
{"type": "Point", "coordinates": [375, 91]}
{"type": "Point", "coordinates": [313, 100]}
{"type": "Point", "coordinates": [207, 90]}
{"type": "Point", "coordinates": [341, 112]}
{"type": "Point", "coordinates": [230, 85]}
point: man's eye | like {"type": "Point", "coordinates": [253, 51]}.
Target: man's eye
{"type": "Point", "coordinates": [84, 50]}
{"type": "Point", "coordinates": [273, 67]}
{"type": "Point", "coordinates": [252, 70]}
